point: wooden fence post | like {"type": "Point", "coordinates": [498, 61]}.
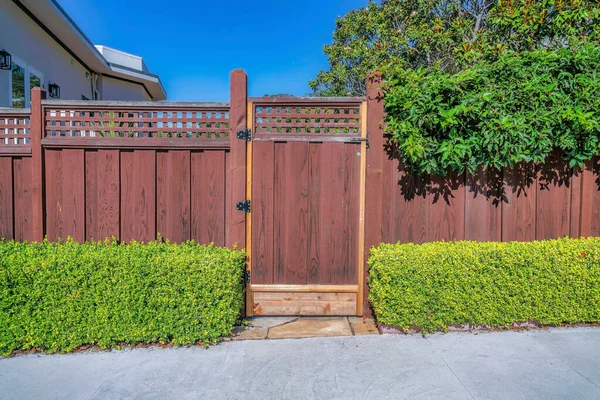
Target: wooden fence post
{"type": "Point", "coordinates": [36, 132]}
{"type": "Point", "coordinates": [374, 179]}
{"type": "Point", "coordinates": [238, 115]}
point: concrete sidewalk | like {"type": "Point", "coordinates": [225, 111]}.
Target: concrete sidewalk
{"type": "Point", "coordinates": [542, 364]}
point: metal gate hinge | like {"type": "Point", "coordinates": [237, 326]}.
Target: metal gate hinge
{"type": "Point", "coordinates": [243, 206]}
{"type": "Point", "coordinates": [247, 276]}
{"type": "Point", "coordinates": [245, 134]}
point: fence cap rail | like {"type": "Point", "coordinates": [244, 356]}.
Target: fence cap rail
{"type": "Point", "coordinates": [135, 104]}
{"type": "Point", "coordinates": [14, 111]}
{"type": "Point", "coordinates": [315, 100]}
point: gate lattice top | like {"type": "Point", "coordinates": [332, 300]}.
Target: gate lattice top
{"type": "Point", "coordinates": [307, 117]}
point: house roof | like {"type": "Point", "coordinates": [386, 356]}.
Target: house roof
{"type": "Point", "coordinates": [100, 59]}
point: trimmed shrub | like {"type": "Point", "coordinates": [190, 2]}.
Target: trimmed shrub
{"type": "Point", "coordinates": [436, 285]}
{"type": "Point", "coordinates": [60, 296]}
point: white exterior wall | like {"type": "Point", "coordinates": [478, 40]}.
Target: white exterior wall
{"type": "Point", "coordinates": [115, 89]}
{"type": "Point", "coordinates": [23, 38]}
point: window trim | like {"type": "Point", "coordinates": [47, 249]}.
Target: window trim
{"type": "Point", "coordinates": [29, 69]}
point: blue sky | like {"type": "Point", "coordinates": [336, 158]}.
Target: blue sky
{"type": "Point", "coordinates": [194, 45]}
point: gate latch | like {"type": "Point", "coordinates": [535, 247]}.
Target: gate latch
{"type": "Point", "coordinates": [243, 206]}
{"type": "Point", "coordinates": [246, 135]}
{"type": "Point", "coordinates": [361, 139]}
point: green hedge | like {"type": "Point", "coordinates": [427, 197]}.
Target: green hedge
{"type": "Point", "coordinates": [58, 297]}
{"type": "Point", "coordinates": [435, 285]}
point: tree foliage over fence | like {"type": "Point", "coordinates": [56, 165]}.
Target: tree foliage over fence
{"type": "Point", "coordinates": [473, 83]}
{"type": "Point", "coordinates": [517, 109]}
{"type": "Point", "coordinates": [449, 35]}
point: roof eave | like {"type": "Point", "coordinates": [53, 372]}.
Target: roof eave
{"type": "Point", "coordinates": [75, 41]}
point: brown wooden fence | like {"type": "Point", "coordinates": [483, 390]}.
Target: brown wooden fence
{"type": "Point", "coordinates": [116, 169]}
{"type": "Point", "coordinates": [132, 170]}
{"type": "Point", "coordinates": [522, 203]}
{"type": "Point", "coordinates": [15, 176]}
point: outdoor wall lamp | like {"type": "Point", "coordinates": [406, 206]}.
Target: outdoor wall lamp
{"type": "Point", "coordinates": [54, 90]}
{"type": "Point", "coordinates": [5, 60]}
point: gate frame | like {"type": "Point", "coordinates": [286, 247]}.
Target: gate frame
{"type": "Point", "coordinates": [359, 288]}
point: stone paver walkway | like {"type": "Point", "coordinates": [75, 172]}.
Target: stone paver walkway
{"type": "Point", "coordinates": [304, 327]}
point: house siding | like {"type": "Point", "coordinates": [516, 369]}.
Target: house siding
{"type": "Point", "coordinates": [115, 89]}
{"type": "Point", "coordinates": [23, 38]}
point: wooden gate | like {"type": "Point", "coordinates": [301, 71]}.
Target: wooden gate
{"type": "Point", "coordinates": [305, 237]}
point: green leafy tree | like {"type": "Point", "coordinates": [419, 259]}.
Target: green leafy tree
{"type": "Point", "coordinates": [520, 108]}
{"type": "Point", "coordinates": [448, 35]}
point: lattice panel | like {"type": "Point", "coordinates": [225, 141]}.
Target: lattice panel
{"type": "Point", "coordinates": [307, 119]}
{"type": "Point", "coordinates": [197, 124]}
{"type": "Point", "coordinates": [14, 129]}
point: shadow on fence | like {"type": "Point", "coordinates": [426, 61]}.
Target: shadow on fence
{"type": "Point", "coordinates": [492, 184]}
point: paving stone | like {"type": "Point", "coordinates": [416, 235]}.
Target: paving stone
{"type": "Point", "coordinates": [362, 327]}
{"type": "Point", "coordinates": [269, 322]}
{"type": "Point", "coordinates": [312, 327]}
{"type": "Point", "coordinates": [249, 333]}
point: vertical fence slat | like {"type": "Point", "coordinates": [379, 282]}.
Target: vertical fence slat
{"type": "Point", "coordinates": [351, 237]}
{"type": "Point", "coordinates": [553, 198]}
{"type": "Point", "coordinates": [54, 175]}
{"type": "Point", "coordinates": [262, 212]}
{"type": "Point", "coordinates": [22, 198]}
{"type": "Point", "coordinates": [447, 209]}
{"type": "Point", "coordinates": [238, 115]}
{"type": "Point", "coordinates": [208, 197]}
{"type": "Point", "coordinates": [173, 195]}
{"type": "Point", "coordinates": [228, 200]}
{"type": "Point", "coordinates": [138, 195]}
{"type": "Point", "coordinates": [576, 202]}
{"type": "Point", "coordinates": [389, 197]}
{"type": "Point", "coordinates": [6, 198]}
{"type": "Point", "coordinates": [102, 194]}
{"type": "Point", "coordinates": [332, 247]}
{"type": "Point", "coordinates": [408, 208]}
{"type": "Point", "coordinates": [74, 194]}
{"type": "Point", "coordinates": [519, 209]}
{"type": "Point", "coordinates": [65, 194]}
{"type": "Point", "coordinates": [317, 259]}
{"type": "Point", "coordinates": [162, 195]}
{"type": "Point", "coordinates": [483, 209]}
{"type": "Point", "coordinates": [590, 199]}
{"type": "Point", "coordinates": [91, 196]}
{"type": "Point", "coordinates": [291, 213]}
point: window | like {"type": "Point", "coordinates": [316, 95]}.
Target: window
{"type": "Point", "coordinates": [18, 86]}
{"type": "Point", "coordinates": [34, 80]}
{"type": "Point", "coordinates": [22, 79]}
